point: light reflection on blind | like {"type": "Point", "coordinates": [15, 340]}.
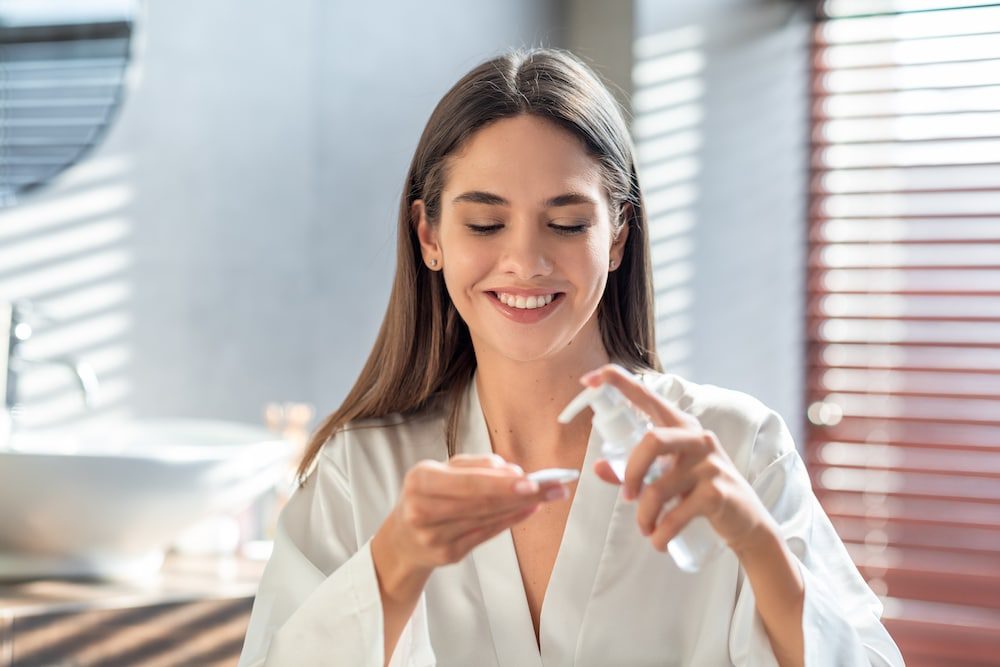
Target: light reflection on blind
{"type": "Point", "coordinates": [960, 280]}
{"type": "Point", "coordinates": [914, 179]}
{"type": "Point", "coordinates": [902, 103]}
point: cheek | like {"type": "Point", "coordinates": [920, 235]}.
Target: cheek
{"type": "Point", "coordinates": [466, 266]}
{"type": "Point", "coordinates": [591, 270]}
{"type": "Point", "coordinates": [468, 263]}
{"type": "Point", "coordinates": [588, 261]}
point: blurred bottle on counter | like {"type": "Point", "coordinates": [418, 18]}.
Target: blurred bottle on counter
{"type": "Point", "coordinates": [290, 421]}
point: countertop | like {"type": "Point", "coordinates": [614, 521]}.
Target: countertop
{"type": "Point", "coordinates": [193, 612]}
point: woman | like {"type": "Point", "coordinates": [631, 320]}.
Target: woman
{"type": "Point", "coordinates": [416, 538]}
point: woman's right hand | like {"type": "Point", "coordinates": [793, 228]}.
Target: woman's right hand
{"type": "Point", "coordinates": [443, 511]}
{"type": "Point", "coordinates": [446, 509]}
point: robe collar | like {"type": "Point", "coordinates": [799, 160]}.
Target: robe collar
{"type": "Point", "coordinates": [573, 572]}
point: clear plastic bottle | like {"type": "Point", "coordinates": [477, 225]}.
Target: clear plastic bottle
{"type": "Point", "coordinates": [622, 428]}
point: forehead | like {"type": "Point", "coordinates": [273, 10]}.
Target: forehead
{"type": "Point", "coordinates": [524, 158]}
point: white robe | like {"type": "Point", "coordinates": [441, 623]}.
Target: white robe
{"type": "Point", "coordinates": [612, 598]}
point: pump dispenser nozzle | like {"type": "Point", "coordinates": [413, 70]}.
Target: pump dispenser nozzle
{"type": "Point", "coordinates": [620, 426]}
{"type": "Point", "coordinates": [604, 398]}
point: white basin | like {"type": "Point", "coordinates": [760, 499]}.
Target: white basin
{"type": "Point", "coordinates": [105, 500]}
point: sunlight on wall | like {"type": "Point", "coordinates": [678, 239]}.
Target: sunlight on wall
{"type": "Point", "coordinates": [66, 254]}
{"type": "Point", "coordinates": [667, 116]}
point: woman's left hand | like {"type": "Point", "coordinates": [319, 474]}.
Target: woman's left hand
{"type": "Point", "coordinates": [695, 466]}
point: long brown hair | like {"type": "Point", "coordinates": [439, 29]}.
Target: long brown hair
{"type": "Point", "coordinates": [423, 357]}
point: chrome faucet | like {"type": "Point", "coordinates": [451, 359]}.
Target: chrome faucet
{"type": "Point", "coordinates": [16, 321]}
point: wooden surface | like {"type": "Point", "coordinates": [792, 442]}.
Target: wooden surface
{"type": "Point", "coordinates": [194, 612]}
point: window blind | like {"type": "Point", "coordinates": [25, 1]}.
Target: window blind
{"type": "Point", "coordinates": [903, 433]}
{"type": "Point", "coordinates": [61, 80]}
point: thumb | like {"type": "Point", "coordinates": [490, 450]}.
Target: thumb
{"type": "Point", "coordinates": [604, 471]}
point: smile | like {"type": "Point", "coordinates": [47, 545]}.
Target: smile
{"type": "Point", "coordinates": [525, 303]}
{"type": "Point", "coordinates": [526, 315]}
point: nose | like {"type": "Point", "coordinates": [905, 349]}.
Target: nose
{"type": "Point", "coordinates": [525, 253]}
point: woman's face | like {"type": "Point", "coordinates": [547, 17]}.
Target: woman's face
{"type": "Point", "coordinates": [524, 213]}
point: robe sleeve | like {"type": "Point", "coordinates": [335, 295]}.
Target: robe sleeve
{"type": "Point", "coordinates": [841, 620]}
{"type": "Point", "coordinates": [318, 601]}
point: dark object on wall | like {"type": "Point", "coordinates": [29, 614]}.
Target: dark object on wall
{"type": "Point", "coordinates": [62, 77]}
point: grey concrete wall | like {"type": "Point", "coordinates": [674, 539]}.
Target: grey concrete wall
{"type": "Point", "coordinates": [231, 242]}
{"type": "Point", "coordinates": [720, 95]}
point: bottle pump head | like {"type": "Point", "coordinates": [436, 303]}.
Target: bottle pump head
{"type": "Point", "coordinates": [614, 417]}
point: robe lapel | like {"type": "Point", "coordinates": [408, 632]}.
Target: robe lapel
{"type": "Point", "coordinates": [496, 562]}
{"type": "Point", "coordinates": [573, 572]}
{"type": "Point", "coordinates": [577, 561]}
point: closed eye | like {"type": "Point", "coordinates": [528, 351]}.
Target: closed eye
{"type": "Point", "coordinates": [569, 229]}
{"type": "Point", "coordinates": [562, 229]}
{"type": "Point", "coordinates": [483, 229]}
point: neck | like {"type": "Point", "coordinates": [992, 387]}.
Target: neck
{"type": "Point", "coordinates": [521, 401]}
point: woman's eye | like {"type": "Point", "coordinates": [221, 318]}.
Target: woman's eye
{"type": "Point", "coordinates": [569, 229]}
{"type": "Point", "coordinates": [562, 229]}
{"type": "Point", "coordinates": [483, 229]}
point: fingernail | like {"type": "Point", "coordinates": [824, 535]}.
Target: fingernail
{"type": "Point", "coordinates": [526, 486]}
{"type": "Point", "coordinates": [556, 493]}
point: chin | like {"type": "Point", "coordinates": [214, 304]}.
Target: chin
{"type": "Point", "coordinates": [525, 351]}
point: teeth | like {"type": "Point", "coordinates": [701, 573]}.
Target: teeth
{"type": "Point", "coordinates": [528, 303]}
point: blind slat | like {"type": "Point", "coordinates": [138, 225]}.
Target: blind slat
{"type": "Point", "coordinates": [900, 534]}
{"type": "Point", "coordinates": [909, 26]}
{"type": "Point", "coordinates": [931, 50]}
{"type": "Point", "coordinates": [906, 103]}
{"type": "Point", "coordinates": [959, 280]}
{"type": "Point", "coordinates": [906, 382]}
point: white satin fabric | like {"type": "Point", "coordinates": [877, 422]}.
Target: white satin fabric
{"type": "Point", "coordinates": [612, 598]}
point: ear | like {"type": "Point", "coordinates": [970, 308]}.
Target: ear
{"type": "Point", "coordinates": [618, 244]}
{"type": "Point", "coordinates": [426, 233]}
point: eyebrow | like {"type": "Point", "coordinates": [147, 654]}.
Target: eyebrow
{"type": "Point", "coordinates": [490, 199]}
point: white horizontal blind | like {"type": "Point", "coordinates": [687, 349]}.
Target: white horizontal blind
{"type": "Point", "coordinates": [904, 312]}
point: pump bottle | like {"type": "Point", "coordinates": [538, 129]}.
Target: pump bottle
{"type": "Point", "coordinates": [622, 428]}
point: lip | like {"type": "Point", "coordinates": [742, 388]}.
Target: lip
{"type": "Point", "coordinates": [520, 291]}
{"type": "Point", "coordinates": [524, 316]}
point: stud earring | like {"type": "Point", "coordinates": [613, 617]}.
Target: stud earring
{"type": "Point", "coordinates": [434, 263]}
{"type": "Point", "coordinates": [611, 265]}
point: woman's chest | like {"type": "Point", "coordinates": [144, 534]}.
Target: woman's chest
{"type": "Point", "coordinates": [536, 544]}
{"type": "Point", "coordinates": [609, 597]}
{"type": "Point", "coordinates": [635, 611]}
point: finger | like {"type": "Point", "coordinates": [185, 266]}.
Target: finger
{"type": "Point", "coordinates": [436, 510]}
{"type": "Point", "coordinates": [605, 472]}
{"type": "Point", "coordinates": [479, 535]}
{"type": "Point", "coordinates": [673, 443]}
{"type": "Point", "coordinates": [494, 460]}
{"type": "Point", "coordinates": [434, 478]}
{"type": "Point", "coordinates": [668, 489]}
{"type": "Point", "coordinates": [455, 529]}
{"type": "Point", "coordinates": [661, 411]}
{"type": "Point", "coordinates": [675, 520]}
{"type": "Point", "coordinates": [442, 505]}
{"type": "Point", "coordinates": [483, 461]}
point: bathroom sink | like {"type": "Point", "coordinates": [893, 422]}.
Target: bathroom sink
{"type": "Point", "coordinates": [106, 500]}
